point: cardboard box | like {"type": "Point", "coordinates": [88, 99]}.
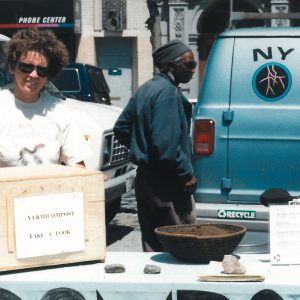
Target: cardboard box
{"type": "Point", "coordinates": [51, 215]}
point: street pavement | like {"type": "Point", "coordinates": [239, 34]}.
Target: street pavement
{"type": "Point", "coordinates": [123, 232]}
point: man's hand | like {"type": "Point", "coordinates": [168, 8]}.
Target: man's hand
{"type": "Point", "coordinates": [190, 186]}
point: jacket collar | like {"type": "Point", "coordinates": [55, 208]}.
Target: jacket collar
{"type": "Point", "coordinates": [169, 77]}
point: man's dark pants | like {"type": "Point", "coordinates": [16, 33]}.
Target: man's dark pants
{"type": "Point", "coordinates": [161, 201]}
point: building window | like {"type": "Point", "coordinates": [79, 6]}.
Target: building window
{"type": "Point", "coordinates": [114, 14]}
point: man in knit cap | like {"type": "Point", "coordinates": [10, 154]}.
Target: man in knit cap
{"type": "Point", "coordinates": [155, 125]}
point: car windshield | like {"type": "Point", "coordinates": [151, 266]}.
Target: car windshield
{"type": "Point", "coordinates": [67, 80]}
{"type": "Point", "coordinates": [99, 82]}
{"type": "Point", "coordinates": [54, 91]}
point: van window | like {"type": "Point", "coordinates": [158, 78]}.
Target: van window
{"type": "Point", "coordinates": [67, 80]}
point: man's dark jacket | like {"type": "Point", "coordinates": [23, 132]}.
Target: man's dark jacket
{"type": "Point", "coordinates": [155, 125]}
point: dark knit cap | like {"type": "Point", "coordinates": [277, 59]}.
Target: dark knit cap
{"type": "Point", "coordinates": [169, 51]}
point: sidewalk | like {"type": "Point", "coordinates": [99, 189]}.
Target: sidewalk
{"type": "Point", "coordinates": [123, 232]}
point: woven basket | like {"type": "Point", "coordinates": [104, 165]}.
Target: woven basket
{"type": "Point", "coordinates": [200, 243]}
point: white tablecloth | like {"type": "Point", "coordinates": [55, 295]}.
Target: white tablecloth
{"type": "Point", "coordinates": [90, 279]}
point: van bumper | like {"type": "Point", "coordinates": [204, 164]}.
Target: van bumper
{"type": "Point", "coordinates": [256, 239]}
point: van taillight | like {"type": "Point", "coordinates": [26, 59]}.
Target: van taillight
{"type": "Point", "coordinates": [204, 136]}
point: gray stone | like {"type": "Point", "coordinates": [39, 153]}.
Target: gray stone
{"type": "Point", "coordinates": [231, 265]}
{"type": "Point", "coordinates": [152, 269]}
{"type": "Point", "coordinates": [114, 268]}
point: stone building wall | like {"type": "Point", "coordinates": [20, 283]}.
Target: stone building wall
{"type": "Point", "coordinates": [133, 20]}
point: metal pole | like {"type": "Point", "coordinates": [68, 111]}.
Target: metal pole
{"type": "Point", "coordinates": [230, 13]}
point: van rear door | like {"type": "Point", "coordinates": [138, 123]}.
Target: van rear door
{"type": "Point", "coordinates": [211, 168]}
{"type": "Point", "coordinates": [264, 136]}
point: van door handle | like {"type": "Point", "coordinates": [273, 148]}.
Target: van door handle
{"type": "Point", "coordinates": [226, 184]}
{"type": "Point", "coordinates": [227, 117]}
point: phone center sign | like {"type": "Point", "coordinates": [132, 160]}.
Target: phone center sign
{"type": "Point", "coordinates": [43, 20]}
{"type": "Point", "coordinates": [61, 16]}
{"type": "Point", "coordinates": [49, 224]}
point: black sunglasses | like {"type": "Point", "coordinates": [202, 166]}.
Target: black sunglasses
{"type": "Point", "coordinates": [190, 64]}
{"type": "Point", "coordinates": [28, 68]}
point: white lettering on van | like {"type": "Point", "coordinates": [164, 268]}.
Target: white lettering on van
{"type": "Point", "coordinates": [269, 53]}
{"type": "Point", "coordinates": [236, 214]}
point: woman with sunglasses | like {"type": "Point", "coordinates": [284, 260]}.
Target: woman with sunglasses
{"type": "Point", "coordinates": [35, 127]}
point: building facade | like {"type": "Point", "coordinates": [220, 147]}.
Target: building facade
{"type": "Point", "coordinates": [112, 34]}
{"type": "Point", "coordinates": [198, 22]}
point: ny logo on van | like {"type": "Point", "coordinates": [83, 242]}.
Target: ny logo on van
{"type": "Point", "coordinates": [269, 53]}
{"type": "Point", "coordinates": [271, 81]}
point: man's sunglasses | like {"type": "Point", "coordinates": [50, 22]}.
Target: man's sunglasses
{"type": "Point", "coordinates": [190, 64]}
{"type": "Point", "coordinates": [28, 68]}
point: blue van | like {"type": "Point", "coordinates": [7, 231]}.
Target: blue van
{"type": "Point", "coordinates": [246, 128]}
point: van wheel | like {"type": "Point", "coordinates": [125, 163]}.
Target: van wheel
{"type": "Point", "coordinates": [112, 209]}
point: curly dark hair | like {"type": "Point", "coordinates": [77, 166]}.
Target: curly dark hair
{"type": "Point", "coordinates": [42, 41]}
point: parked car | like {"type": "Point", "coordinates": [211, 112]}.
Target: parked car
{"type": "Point", "coordinates": [109, 156]}
{"type": "Point", "coordinates": [5, 78]}
{"type": "Point", "coordinates": [83, 82]}
{"type": "Point", "coordinates": [246, 129]}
